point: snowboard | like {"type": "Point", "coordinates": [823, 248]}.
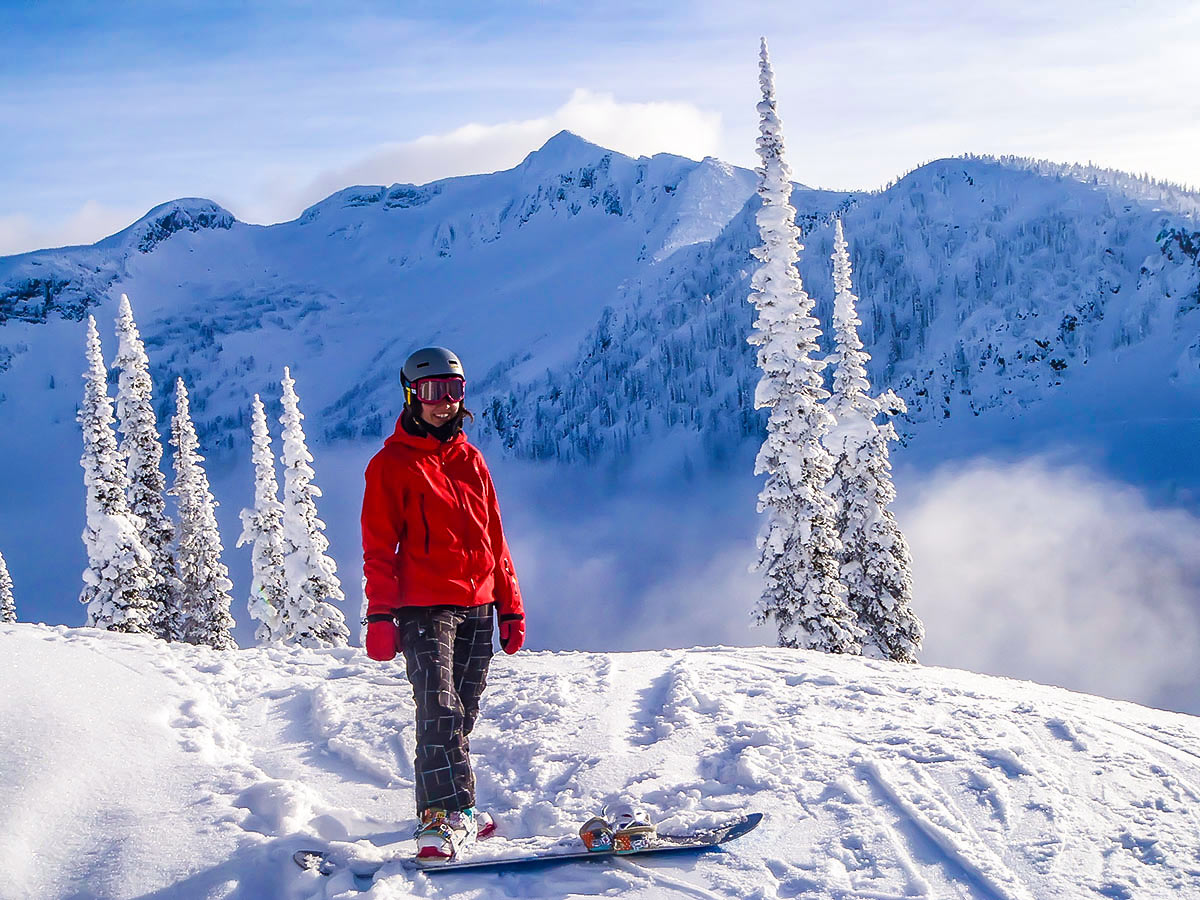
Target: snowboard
{"type": "Point", "coordinates": [571, 850]}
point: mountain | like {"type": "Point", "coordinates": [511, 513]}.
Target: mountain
{"type": "Point", "coordinates": [358, 280]}
{"type": "Point", "coordinates": [1020, 308]}
{"type": "Point", "coordinates": [984, 290]}
{"type": "Point", "coordinates": [132, 768]}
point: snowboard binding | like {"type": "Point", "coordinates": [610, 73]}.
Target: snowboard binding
{"type": "Point", "coordinates": [623, 829]}
{"type": "Point", "coordinates": [634, 832]}
{"type": "Point", "coordinates": [597, 834]}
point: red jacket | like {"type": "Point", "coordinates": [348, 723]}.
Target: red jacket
{"type": "Point", "coordinates": [431, 528]}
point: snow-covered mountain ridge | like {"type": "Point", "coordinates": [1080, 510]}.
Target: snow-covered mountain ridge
{"type": "Point", "coordinates": [202, 771]}
{"type": "Point", "coordinates": [984, 285]}
{"type": "Point", "coordinates": [982, 288]}
{"type": "Point", "coordinates": [67, 281]}
{"type": "Point", "coordinates": [491, 254]}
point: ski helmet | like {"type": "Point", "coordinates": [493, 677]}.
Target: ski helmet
{"type": "Point", "coordinates": [429, 362]}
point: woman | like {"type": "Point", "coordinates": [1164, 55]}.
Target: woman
{"type": "Point", "coordinates": [436, 563]}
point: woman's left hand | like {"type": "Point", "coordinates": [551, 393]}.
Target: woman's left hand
{"type": "Point", "coordinates": [512, 633]}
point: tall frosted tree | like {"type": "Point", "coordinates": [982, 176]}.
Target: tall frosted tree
{"type": "Point", "coordinates": [118, 580]}
{"type": "Point", "coordinates": [311, 618]}
{"type": "Point", "coordinates": [142, 451]}
{"type": "Point", "coordinates": [204, 584]}
{"type": "Point", "coordinates": [262, 528]}
{"type": "Point", "coordinates": [876, 565]}
{"type": "Point", "coordinates": [799, 548]}
{"type": "Point", "coordinates": [8, 604]}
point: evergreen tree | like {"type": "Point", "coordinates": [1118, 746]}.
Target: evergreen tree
{"type": "Point", "coordinates": [876, 566]}
{"type": "Point", "coordinates": [262, 526]}
{"type": "Point", "coordinates": [118, 580]}
{"type": "Point", "coordinates": [311, 618]}
{"type": "Point", "coordinates": [142, 451]}
{"type": "Point", "coordinates": [8, 605]}
{"type": "Point", "coordinates": [204, 583]}
{"type": "Point", "coordinates": [799, 549]}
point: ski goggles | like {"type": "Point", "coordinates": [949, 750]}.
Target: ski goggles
{"type": "Point", "coordinates": [435, 390]}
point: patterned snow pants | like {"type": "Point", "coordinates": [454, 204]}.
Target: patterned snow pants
{"type": "Point", "coordinates": [447, 650]}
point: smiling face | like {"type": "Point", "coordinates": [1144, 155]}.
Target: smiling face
{"type": "Point", "coordinates": [438, 414]}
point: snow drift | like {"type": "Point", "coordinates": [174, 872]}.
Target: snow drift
{"type": "Point", "coordinates": [134, 768]}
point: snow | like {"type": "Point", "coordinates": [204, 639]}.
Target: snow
{"type": "Point", "coordinates": [135, 768]}
{"type": "Point", "coordinates": [710, 196]}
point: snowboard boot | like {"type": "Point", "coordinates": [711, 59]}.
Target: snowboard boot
{"type": "Point", "coordinates": [632, 828]}
{"type": "Point", "coordinates": [443, 835]}
{"type": "Point", "coordinates": [597, 834]}
{"type": "Point", "coordinates": [485, 825]}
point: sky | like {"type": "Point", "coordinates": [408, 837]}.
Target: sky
{"type": "Point", "coordinates": [267, 107]}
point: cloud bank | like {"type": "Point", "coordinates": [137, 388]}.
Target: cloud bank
{"type": "Point", "coordinates": [1032, 570]}
{"type": "Point", "coordinates": [1060, 576]}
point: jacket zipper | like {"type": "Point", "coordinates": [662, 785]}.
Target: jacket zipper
{"type": "Point", "coordinates": [462, 508]}
{"type": "Point", "coordinates": [425, 522]}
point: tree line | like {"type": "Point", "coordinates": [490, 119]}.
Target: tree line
{"type": "Point", "coordinates": [151, 574]}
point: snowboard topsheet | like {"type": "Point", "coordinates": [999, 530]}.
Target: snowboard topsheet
{"type": "Point", "coordinates": [568, 851]}
{"type": "Point", "coordinates": [696, 841]}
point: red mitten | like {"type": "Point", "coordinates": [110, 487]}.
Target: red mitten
{"type": "Point", "coordinates": [512, 633]}
{"type": "Point", "coordinates": [383, 637]}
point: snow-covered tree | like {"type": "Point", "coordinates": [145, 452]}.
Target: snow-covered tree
{"type": "Point", "coordinates": [204, 583]}
{"type": "Point", "coordinates": [262, 527]}
{"type": "Point", "coordinates": [799, 548]}
{"type": "Point", "coordinates": [8, 604]}
{"type": "Point", "coordinates": [118, 580]}
{"type": "Point", "coordinates": [142, 451]}
{"type": "Point", "coordinates": [876, 566]}
{"type": "Point", "coordinates": [311, 618]}
{"type": "Point", "coordinates": [362, 612]}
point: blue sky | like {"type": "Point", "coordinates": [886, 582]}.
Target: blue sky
{"type": "Point", "coordinates": [266, 107]}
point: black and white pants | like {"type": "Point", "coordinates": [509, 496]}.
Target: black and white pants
{"type": "Point", "coordinates": [447, 650]}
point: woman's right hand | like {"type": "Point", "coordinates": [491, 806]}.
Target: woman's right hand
{"type": "Point", "coordinates": [383, 638]}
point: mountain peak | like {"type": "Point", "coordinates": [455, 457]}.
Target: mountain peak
{"type": "Point", "coordinates": [166, 219]}
{"type": "Point", "coordinates": [565, 151]}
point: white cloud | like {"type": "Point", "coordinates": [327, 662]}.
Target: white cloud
{"type": "Point", "coordinates": [634, 129]}
{"type": "Point", "coordinates": [1058, 576]}
{"type": "Point", "coordinates": [1033, 570]}
{"type": "Point", "coordinates": [706, 604]}
{"type": "Point", "coordinates": [640, 128]}
{"type": "Point", "coordinates": [635, 569]}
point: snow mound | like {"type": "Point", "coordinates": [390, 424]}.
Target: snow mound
{"type": "Point", "coordinates": [136, 768]}
{"type": "Point", "coordinates": [187, 214]}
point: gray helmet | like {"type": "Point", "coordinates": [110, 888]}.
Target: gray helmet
{"type": "Point", "coordinates": [431, 362]}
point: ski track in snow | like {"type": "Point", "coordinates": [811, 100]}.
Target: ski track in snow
{"type": "Point", "coordinates": [879, 781]}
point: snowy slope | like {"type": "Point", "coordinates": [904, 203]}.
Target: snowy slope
{"type": "Point", "coordinates": [133, 768]}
